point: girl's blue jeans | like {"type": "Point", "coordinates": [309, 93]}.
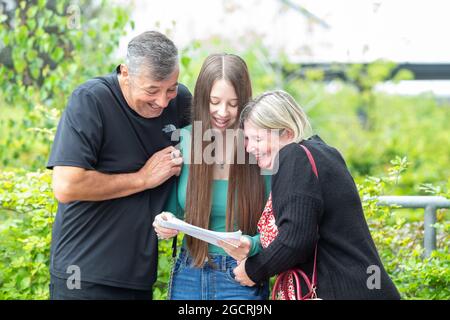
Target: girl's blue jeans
{"type": "Point", "coordinates": [214, 282]}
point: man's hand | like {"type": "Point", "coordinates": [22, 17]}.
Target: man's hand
{"type": "Point", "coordinates": [239, 253]}
{"type": "Point", "coordinates": [78, 184]}
{"type": "Point", "coordinates": [160, 167]}
{"type": "Point", "coordinates": [241, 276]}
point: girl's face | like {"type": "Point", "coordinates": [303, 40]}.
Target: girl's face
{"type": "Point", "coordinates": [223, 105]}
{"type": "Point", "coordinates": [265, 144]}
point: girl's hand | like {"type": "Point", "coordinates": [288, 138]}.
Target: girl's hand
{"type": "Point", "coordinates": [241, 252]}
{"type": "Point", "coordinates": [164, 233]}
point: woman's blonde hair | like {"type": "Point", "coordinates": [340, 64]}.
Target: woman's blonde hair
{"type": "Point", "coordinates": [277, 110]}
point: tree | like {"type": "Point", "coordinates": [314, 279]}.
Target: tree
{"type": "Point", "coordinates": [47, 49]}
{"type": "Point", "coordinates": [45, 42]}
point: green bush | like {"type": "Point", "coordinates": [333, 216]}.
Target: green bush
{"type": "Point", "coordinates": [400, 242]}
{"type": "Point", "coordinates": [27, 206]}
{"type": "Point", "coordinates": [28, 209]}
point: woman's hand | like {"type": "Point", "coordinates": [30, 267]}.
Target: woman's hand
{"type": "Point", "coordinates": [241, 252]}
{"type": "Point", "coordinates": [164, 233]}
{"type": "Point", "coordinates": [241, 276]}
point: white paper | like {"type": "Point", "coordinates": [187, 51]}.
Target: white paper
{"type": "Point", "coordinates": [203, 234]}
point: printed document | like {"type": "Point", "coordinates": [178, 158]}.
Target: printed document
{"type": "Point", "coordinates": [203, 234]}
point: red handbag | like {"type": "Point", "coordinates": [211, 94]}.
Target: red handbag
{"type": "Point", "coordinates": [288, 284]}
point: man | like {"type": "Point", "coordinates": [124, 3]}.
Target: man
{"type": "Point", "coordinates": [113, 168]}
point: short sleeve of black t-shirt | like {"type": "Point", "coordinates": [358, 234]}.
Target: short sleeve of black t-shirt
{"type": "Point", "coordinates": [113, 241]}
{"type": "Point", "coordinates": [79, 135]}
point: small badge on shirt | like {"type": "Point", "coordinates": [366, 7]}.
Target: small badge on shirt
{"type": "Point", "coordinates": [169, 128]}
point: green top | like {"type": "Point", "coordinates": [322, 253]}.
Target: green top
{"type": "Point", "coordinates": [219, 198]}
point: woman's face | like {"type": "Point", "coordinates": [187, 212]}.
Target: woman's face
{"type": "Point", "coordinates": [264, 144]}
{"type": "Point", "coordinates": [223, 105]}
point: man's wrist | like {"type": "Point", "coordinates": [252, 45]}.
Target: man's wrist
{"type": "Point", "coordinates": [141, 183]}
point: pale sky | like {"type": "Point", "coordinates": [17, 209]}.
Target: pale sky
{"type": "Point", "coordinates": [360, 30]}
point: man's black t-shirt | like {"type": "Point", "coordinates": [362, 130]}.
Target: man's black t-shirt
{"type": "Point", "coordinates": [112, 242]}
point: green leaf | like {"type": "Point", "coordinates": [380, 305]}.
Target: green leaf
{"type": "Point", "coordinates": [31, 55]}
{"type": "Point", "coordinates": [24, 283]}
{"type": "Point", "coordinates": [31, 23]}
{"type": "Point", "coordinates": [57, 54]}
{"type": "Point", "coordinates": [35, 70]}
{"type": "Point", "coordinates": [22, 35]}
{"type": "Point", "coordinates": [403, 74]}
{"type": "Point", "coordinates": [60, 5]}
{"type": "Point", "coordinates": [31, 12]}
{"type": "Point", "coordinates": [41, 4]}
{"type": "Point", "coordinates": [6, 39]}
{"type": "Point", "coordinates": [19, 65]}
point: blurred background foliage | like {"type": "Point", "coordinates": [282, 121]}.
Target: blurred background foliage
{"type": "Point", "coordinates": [392, 144]}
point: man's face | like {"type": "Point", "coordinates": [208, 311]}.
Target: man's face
{"type": "Point", "coordinates": [148, 97]}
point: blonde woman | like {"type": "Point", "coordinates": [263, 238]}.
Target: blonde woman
{"type": "Point", "coordinates": [308, 210]}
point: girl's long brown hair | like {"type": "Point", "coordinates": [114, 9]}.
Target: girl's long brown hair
{"type": "Point", "coordinates": [245, 198]}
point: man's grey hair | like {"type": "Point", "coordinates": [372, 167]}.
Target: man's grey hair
{"type": "Point", "coordinates": [152, 53]}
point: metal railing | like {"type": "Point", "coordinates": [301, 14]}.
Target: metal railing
{"type": "Point", "coordinates": [430, 204]}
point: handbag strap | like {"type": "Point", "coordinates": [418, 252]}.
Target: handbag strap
{"type": "Point", "coordinates": [314, 168]}
{"type": "Point", "coordinates": [311, 160]}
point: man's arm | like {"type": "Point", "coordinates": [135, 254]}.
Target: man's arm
{"type": "Point", "coordinates": [78, 184]}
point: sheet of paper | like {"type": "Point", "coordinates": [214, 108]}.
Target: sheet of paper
{"type": "Point", "coordinates": [199, 233]}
